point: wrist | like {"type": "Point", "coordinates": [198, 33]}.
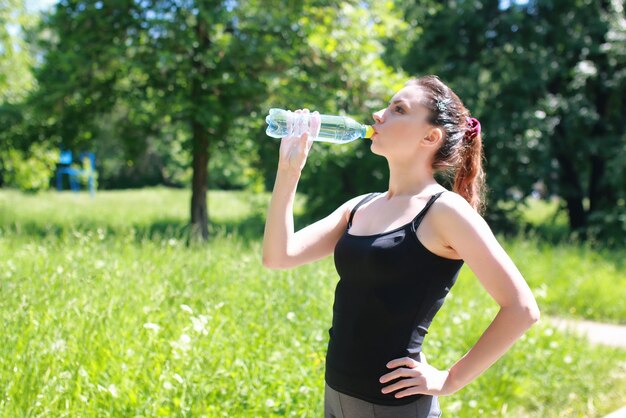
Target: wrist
{"type": "Point", "coordinates": [288, 173]}
{"type": "Point", "coordinates": [452, 384]}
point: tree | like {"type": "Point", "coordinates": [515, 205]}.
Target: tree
{"type": "Point", "coordinates": [16, 78]}
{"type": "Point", "coordinates": [202, 67]}
{"type": "Point", "coordinates": [544, 77]}
{"type": "Point", "coordinates": [16, 81]}
{"type": "Point", "coordinates": [199, 63]}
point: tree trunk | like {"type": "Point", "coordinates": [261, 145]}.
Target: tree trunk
{"type": "Point", "coordinates": [572, 192]}
{"type": "Point", "coordinates": [569, 183]}
{"type": "Point", "coordinates": [601, 195]}
{"type": "Point", "coordinates": [199, 182]}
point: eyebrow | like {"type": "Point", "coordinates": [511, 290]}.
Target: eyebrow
{"type": "Point", "coordinates": [398, 101]}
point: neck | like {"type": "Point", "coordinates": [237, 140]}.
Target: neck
{"type": "Point", "coordinates": [409, 178]}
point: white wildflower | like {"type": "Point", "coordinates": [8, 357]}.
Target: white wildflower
{"type": "Point", "coordinates": [269, 403]}
{"type": "Point", "coordinates": [59, 345]}
{"type": "Point", "coordinates": [183, 344]}
{"type": "Point", "coordinates": [151, 326]}
{"type": "Point", "coordinates": [291, 316]}
{"type": "Point", "coordinates": [199, 324]}
{"type": "Point", "coordinates": [186, 308]}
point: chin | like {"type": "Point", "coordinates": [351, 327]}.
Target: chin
{"type": "Point", "coordinates": [376, 149]}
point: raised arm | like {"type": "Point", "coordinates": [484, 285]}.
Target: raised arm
{"type": "Point", "coordinates": [282, 248]}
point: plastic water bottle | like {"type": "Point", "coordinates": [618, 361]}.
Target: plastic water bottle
{"type": "Point", "coordinates": [335, 129]}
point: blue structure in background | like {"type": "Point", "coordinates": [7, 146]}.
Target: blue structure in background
{"type": "Point", "coordinates": [88, 162]}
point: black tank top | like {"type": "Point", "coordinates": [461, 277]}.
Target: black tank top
{"type": "Point", "coordinates": [390, 288]}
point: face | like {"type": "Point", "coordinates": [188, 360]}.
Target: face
{"type": "Point", "coordinates": [402, 124]}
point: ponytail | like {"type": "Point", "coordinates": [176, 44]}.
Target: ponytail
{"type": "Point", "coordinates": [469, 179]}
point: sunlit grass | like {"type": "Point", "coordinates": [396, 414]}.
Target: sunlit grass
{"type": "Point", "coordinates": [105, 314]}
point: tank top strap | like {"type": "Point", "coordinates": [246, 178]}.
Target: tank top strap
{"type": "Point", "coordinates": [358, 205]}
{"type": "Point", "coordinates": [418, 219]}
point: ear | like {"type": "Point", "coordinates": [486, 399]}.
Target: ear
{"type": "Point", "coordinates": [433, 137]}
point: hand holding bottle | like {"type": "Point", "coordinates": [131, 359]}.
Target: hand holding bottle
{"type": "Point", "coordinates": [294, 149]}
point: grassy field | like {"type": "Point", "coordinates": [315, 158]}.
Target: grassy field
{"type": "Point", "coordinates": [106, 312]}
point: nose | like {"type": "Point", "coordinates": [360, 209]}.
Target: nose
{"type": "Point", "coordinates": [378, 116]}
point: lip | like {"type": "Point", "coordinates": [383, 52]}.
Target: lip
{"type": "Point", "coordinates": [375, 131]}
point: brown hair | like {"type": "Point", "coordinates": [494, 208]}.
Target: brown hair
{"type": "Point", "coordinates": [457, 155]}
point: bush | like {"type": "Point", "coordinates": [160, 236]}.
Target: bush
{"type": "Point", "coordinates": [608, 227]}
{"type": "Point", "coordinates": [29, 171]}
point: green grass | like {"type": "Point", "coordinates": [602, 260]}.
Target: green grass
{"type": "Point", "coordinates": [106, 312]}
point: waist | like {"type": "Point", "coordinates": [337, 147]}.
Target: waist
{"type": "Point", "coordinates": [365, 386]}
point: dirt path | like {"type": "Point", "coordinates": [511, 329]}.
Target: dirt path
{"type": "Point", "coordinates": [597, 332]}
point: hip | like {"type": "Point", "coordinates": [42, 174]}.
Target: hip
{"type": "Point", "coordinates": [341, 405]}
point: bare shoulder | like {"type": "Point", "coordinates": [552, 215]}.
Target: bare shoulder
{"type": "Point", "coordinates": [452, 205]}
{"type": "Point", "coordinates": [456, 220]}
{"type": "Point", "coordinates": [347, 206]}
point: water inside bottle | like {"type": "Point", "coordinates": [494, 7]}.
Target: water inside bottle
{"type": "Point", "coordinates": [335, 129]}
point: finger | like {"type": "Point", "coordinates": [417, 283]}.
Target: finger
{"type": "Point", "coordinates": [414, 390]}
{"type": "Point", "coordinates": [404, 383]}
{"type": "Point", "coordinates": [309, 144]}
{"type": "Point", "coordinates": [402, 361]}
{"type": "Point", "coordinates": [297, 123]}
{"type": "Point", "coordinates": [401, 372]}
{"type": "Point", "coordinates": [315, 124]}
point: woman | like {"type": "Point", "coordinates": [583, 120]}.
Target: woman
{"type": "Point", "coordinates": [398, 253]}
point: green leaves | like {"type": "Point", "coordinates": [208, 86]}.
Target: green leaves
{"type": "Point", "coordinates": [16, 58]}
{"type": "Point", "coordinates": [542, 78]}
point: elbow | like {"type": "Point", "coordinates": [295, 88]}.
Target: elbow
{"type": "Point", "coordinates": [525, 315]}
{"type": "Point", "coordinates": [532, 313]}
{"type": "Point", "coordinates": [535, 315]}
{"type": "Point", "coordinates": [268, 263]}
{"type": "Point", "coordinates": [272, 262]}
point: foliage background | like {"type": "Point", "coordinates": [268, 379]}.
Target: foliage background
{"type": "Point", "coordinates": [175, 93]}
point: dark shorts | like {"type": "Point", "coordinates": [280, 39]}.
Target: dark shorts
{"type": "Point", "coordinates": [340, 405]}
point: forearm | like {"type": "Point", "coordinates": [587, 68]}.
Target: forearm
{"type": "Point", "coordinates": [279, 222]}
{"type": "Point", "coordinates": [509, 325]}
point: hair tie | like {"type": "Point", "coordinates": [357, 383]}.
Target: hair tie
{"type": "Point", "coordinates": [473, 129]}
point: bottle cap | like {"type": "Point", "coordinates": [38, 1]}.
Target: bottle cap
{"type": "Point", "coordinates": [369, 131]}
